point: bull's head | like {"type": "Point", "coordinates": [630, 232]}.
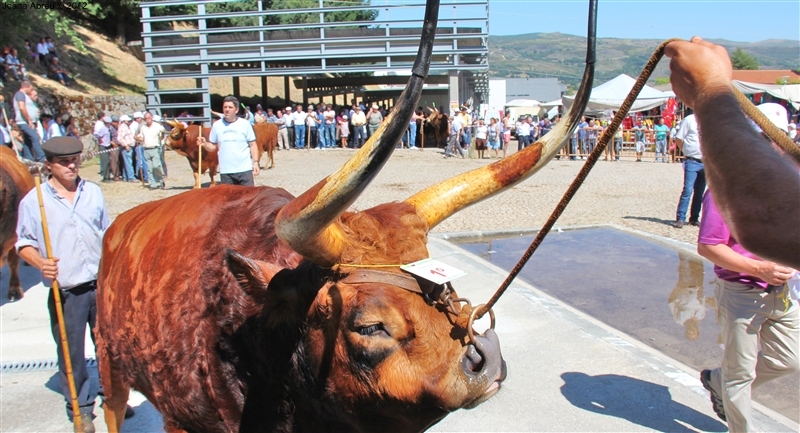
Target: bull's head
{"type": "Point", "coordinates": [177, 136]}
{"type": "Point", "coordinates": [374, 347]}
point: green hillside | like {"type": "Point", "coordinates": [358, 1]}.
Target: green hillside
{"type": "Point", "coordinates": [560, 55]}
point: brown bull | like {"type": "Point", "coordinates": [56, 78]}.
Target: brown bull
{"type": "Point", "coordinates": [267, 139]}
{"type": "Point", "coordinates": [15, 182]}
{"type": "Point", "coordinates": [183, 140]}
{"type": "Point", "coordinates": [436, 122]}
{"type": "Point", "coordinates": [248, 309]}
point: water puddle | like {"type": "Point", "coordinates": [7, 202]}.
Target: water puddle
{"type": "Point", "coordinates": [659, 295]}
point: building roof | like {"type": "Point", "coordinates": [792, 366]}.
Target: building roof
{"type": "Point", "coordinates": [767, 76]}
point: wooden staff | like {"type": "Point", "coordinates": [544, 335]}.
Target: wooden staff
{"type": "Point", "coordinates": [200, 159]}
{"type": "Point", "coordinates": [76, 412]}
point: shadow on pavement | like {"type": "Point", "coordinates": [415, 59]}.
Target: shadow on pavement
{"type": "Point", "coordinates": [644, 403]}
{"type": "Point", "coordinates": [650, 219]}
{"type": "Point", "coordinates": [28, 277]}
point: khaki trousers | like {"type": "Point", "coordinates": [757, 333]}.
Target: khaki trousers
{"type": "Point", "coordinates": [749, 316]}
{"type": "Point", "coordinates": [283, 139]}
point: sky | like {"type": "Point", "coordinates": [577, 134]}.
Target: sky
{"type": "Point", "coordinates": [743, 21]}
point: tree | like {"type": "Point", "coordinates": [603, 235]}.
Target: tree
{"type": "Point", "coordinates": [25, 20]}
{"type": "Point", "coordinates": [299, 18]}
{"type": "Point", "coordinates": [742, 60]}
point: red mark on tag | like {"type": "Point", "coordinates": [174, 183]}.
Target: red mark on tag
{"type": "Point", "coordinates": [438, 271]}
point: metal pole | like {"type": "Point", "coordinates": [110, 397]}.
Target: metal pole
{"type": "Point", "coordinates": [77, 422]}
{"type": "Point", "coordinates": [200, 159]}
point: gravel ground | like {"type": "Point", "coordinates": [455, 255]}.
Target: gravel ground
{"type": "Point", "coordinates": [640, 196]}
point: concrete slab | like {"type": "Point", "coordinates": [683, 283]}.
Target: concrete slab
{"type": "Point", "coordinates": [567, 371]}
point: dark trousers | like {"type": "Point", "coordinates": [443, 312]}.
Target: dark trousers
{"type": "Point", "coordinates": [523, 141]}
{"type": "Point", "coordinates": [290, 133]}
{"type": "Point", "coordinates": [32, 147]}
{"type": "Point", "coordinates": [313, 139]}
{"type": "Point", "coordinates": [244, 178]}
{"type": "Point", "coordinates": [80, 309]}
{"type": "Point", "coordinates": [105, 163]}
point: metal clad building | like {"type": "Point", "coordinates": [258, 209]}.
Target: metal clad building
{"type": "Point", "coordinates": [540, 89]}
{"type": "Point", "coordinates": [324, 56]}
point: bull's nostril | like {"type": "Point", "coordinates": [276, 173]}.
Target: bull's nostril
{"type": "Point", "coordinates": [472, 362]}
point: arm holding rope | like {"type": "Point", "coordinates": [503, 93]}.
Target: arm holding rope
{"type": "Point", "coordinates": [755, 188]}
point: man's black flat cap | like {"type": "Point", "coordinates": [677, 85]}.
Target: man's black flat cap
{"type": "Point", "coordinates": [62, 146]}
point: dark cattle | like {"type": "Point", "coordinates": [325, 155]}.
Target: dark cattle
{"type": "Point", "coordinates": [183, 140]}
{"type": "Point", "coordinates": [248, 309]}
{"type": "Point", "coordinates": [267, 139]}
{"type": "Point", "coordinates": [15, 182]}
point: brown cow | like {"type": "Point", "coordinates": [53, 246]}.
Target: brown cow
{"type": "Point", "coordinates": [248, 309]}
{"type": "Point", "coordinates": [437, 123]}
{"type": "Point", "coordinates": [183, 140]}
{"type": "Point", "coordinates": [267, 139]}
{"type": "Point", "coordinates": [15, 182]}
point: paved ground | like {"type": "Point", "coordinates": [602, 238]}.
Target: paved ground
{"type": "Point", "coordinates": [567, 371]}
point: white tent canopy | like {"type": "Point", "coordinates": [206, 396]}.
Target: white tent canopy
{"type": "Point", "coordinates": [610, 95]}
{"type": "Point", "coordinates": [787, 92]}
{"type": "Point", "coordinates": [556, 103]}
{"type": "Point", "coordinates": [523, 103]}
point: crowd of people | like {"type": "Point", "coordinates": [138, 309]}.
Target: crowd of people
{"type": "Point", "coordinates": [126, 144]}
{"type": "Point", "coordinates": [43, 58]}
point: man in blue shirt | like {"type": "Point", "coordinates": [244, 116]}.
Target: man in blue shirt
{"type": "Point", "coordinates": [76, 219]}
{"type": "Point", "coordinates": [235, 141]}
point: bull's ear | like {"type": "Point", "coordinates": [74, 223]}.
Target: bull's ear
{"type": "Point", "coordinates": [253, 275]}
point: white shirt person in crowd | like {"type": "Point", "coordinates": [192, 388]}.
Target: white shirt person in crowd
{"type": "Point", "coordinates": [235, 141]}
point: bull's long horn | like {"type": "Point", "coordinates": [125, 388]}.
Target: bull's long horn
{"type": "Point", "coordinates": [173, 123]}
{"type": "Point", "coordinates": [305, 223]}
{"type": "Point", "coordinates": [448, 197]}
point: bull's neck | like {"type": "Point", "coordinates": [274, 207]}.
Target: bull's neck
{"type": "Point", "coordinates": [266, 343]}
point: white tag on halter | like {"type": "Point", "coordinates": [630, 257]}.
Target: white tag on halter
{"type": "Point", "coordinates": [433, 270]}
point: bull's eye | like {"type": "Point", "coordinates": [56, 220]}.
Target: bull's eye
{"type": "Point", "coordinates": [373, 330]}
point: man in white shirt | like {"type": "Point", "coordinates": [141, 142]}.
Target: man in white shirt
{"type": "Point", "coordinates": [140, 167]}
{"type": "Point", "coordinates": [694, 174]}
{"type": "Point", "coordinates": [284, 125]}
{"type": "Point", "coordinates": [299, 122]}
{"type": "Point", "coordinates": [150, 135]}
{"type": "Point", "coordinates": [51, 127]}
{"type": "Point", "coordinates": [524, 134]}
{"type": "Point", "coordinates": [41, 50]}
{"type": "Point", "coordinates": [98, 124]}
{"type": "Point", "coordinates": [359, 120]}
{"type": "Point", "coordinates": [289, 123]}
{"type": "Point", "coordinates": [235, 141]}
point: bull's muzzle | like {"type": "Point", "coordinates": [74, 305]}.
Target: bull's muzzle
{"type": "Point", "coordinates": [484, 367]}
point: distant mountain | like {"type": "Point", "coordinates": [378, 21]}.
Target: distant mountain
{"type": "Point", "coordinates": [560, 55]}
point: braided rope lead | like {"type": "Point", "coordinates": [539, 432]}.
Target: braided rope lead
{"type": "Point", "coordinates": [746, 105]}
{"type": "Point", "coordinates": [578, 181]}
{"type": "Point", "coordinates": [779, 137]}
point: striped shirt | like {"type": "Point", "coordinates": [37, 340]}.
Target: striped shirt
{"type": "Point", "coordinates": [76, 230]}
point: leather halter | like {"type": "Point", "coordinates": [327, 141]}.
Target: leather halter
{"type": "Point", "coordinates": [431, 292]}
